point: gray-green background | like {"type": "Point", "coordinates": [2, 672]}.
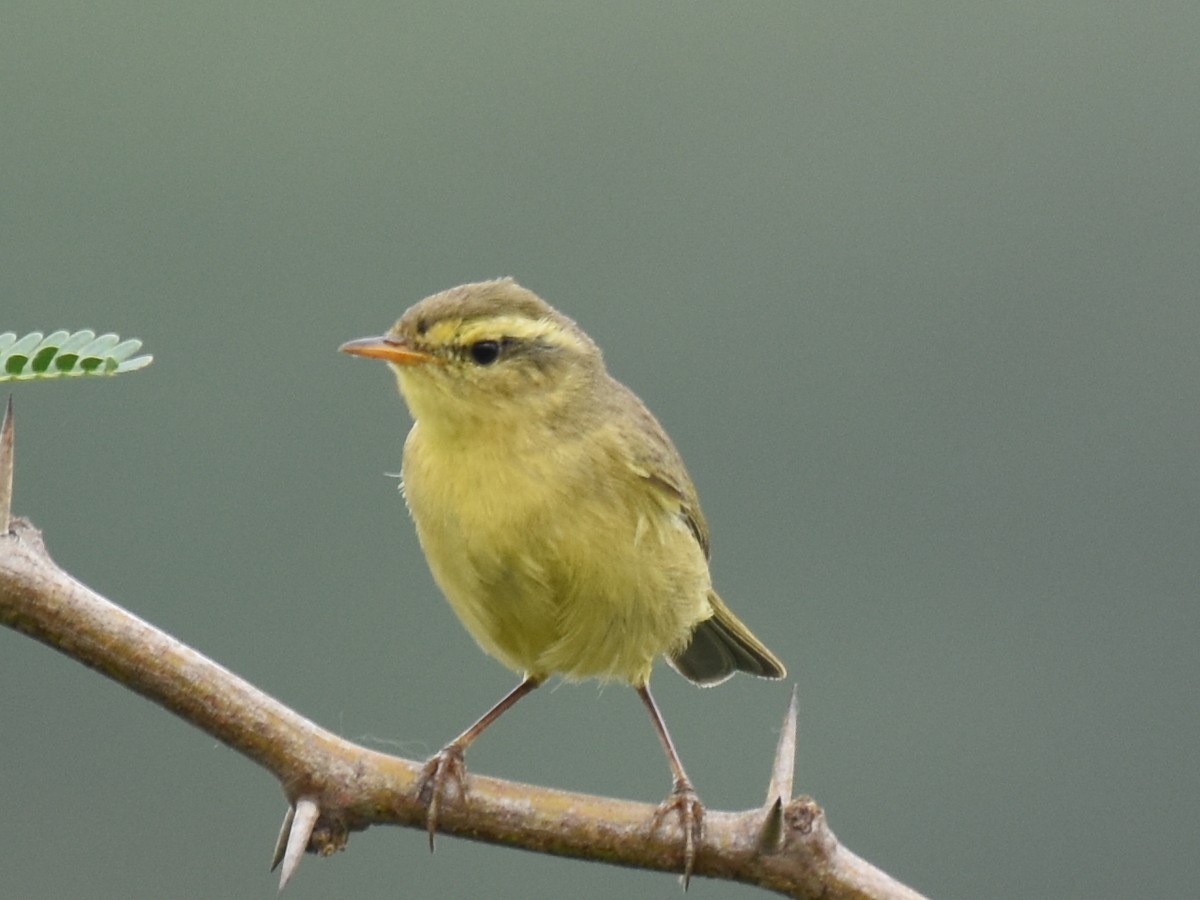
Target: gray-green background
{"type": "Point", "coordinates": [913, 286]}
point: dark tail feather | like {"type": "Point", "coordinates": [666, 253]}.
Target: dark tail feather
{"type": "Point", "coordinates": [722, 645]}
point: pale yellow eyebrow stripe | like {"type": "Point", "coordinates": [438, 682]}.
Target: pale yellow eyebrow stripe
{"type": "Point", "coordinates": [519, 327]}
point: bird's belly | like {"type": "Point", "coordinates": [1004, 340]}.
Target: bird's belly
{"type": "Point", "coordinates": [599, 592]}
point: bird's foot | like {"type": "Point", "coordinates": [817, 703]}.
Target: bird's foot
{"type": "Point", "coordinates": [684, 803]}
{"type": "Point", "coordinates": [444, 766]}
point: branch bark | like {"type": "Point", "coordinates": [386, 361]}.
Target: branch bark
{"type": "Point", "coordinates": [335, 787]}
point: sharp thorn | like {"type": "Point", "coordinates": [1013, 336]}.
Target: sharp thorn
{"type": "Point", "coordinates": [303, 822]}
{"type": "Point", "coordinates": [784, 768]}
{"type": "Point", "coordinates": [6, 467]}
{"type": "Point", "coordinates": [281, 842]}
{"type": "Point", "coordinates": [690, 827]}
{"type": "Point", "coordinates": [770, 836]}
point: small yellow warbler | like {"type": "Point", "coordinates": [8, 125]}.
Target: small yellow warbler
{"type": "Point", "coordinates": [554, 511]}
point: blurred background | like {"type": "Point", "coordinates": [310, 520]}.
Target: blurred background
{"type": "Point", "coordinates": [913, 287]}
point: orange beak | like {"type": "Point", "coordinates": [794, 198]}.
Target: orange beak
{"type": "Point", "coordinates": [388, 349]}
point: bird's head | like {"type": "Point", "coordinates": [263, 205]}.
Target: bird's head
{"type": "Point", "coordinates": [484, 352]}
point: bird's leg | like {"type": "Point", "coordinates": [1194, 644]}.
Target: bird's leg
{"type": "Point", "coordinates": [447, 764]}
{"type": "Point", "coordinates": [683, 799]}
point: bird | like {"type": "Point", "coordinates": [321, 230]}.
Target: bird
{"type": "Point", "coordinates": [555, 514]}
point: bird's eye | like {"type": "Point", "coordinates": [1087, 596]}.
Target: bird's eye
{"type": "Point", "coordinates": [485, 352]}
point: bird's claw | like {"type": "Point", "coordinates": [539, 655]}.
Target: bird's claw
{"type": "Point", "coordinates": [445, 765]}
{"type": "Point", "coordinates": [684, 802]}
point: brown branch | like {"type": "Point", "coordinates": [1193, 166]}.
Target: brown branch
{"type": "Point", "coordinates": [6, 466]}
{"type": "Point", "coordinates": [335, 787]}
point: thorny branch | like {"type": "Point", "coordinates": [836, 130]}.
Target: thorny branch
{"type": "Point", "coordinates": [335, 787]}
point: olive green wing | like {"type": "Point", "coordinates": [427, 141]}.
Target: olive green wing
{"type": "Point", "coordinates": [721, 644]}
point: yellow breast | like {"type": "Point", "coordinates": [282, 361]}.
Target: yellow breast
{"type": "Point", "coordinates": [553, 565]}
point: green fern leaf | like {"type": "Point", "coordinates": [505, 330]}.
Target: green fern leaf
{"type": "Point", "coordinates": [63, 354]}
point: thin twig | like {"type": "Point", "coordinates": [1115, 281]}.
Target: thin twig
{"type": "Point", "coordinates": [6, 467]}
